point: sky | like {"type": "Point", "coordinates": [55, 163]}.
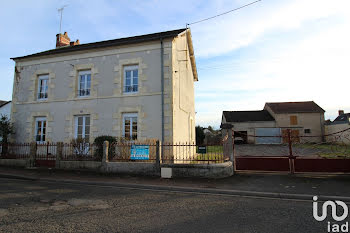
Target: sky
{"type": "Point", "coordinates": [272, 51]}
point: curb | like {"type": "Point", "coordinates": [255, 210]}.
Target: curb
{"type": "Point", "coordinates": [17, 177]}
{"type": "Point", "coordinates": [230, 192]}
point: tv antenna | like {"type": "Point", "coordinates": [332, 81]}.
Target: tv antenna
{"type": "Point", "coordinates": [60, 10]}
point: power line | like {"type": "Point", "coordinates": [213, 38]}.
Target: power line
{"type": "Point", "coordinates": [199, 21]}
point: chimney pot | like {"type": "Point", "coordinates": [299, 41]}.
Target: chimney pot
{"type": "Point", "coordinates": [341, 112]}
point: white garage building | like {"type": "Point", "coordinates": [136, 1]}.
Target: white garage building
{"type": "Point", "coordinates": [249, 124]}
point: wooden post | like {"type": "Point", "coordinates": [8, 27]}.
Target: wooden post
{"type": "Point", "coordinates": [291, 157]}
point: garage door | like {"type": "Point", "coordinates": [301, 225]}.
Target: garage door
{"type": "Point", "coordinates": [268, 132]}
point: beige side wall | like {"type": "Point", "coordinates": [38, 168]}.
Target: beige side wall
{"type": "Point", "coordinates": [343, 137]}
{"type": "Point", "coordinates": [312, 121]}
{"type": "Point", "coordinates": [106, 104]}
{"type": "Point", "coordinates": [183, 92]}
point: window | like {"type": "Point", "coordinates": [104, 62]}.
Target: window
{"type": "Point", "coordinates": [307, 130]}
{"type": "Point", "coordinates": [40, 129]}
{"type": "Point", "coordinates": [82, 127]}
{"type": "Point", "coordinates": [131, 79]}
{"type": "Point", "coordinates": [130, 126]}
{"type": "Point", "coordinates": [43, 82]}
{"type": "Point", "coordinates": [84, 85]}
{"type": "Point", "coordinates": [293, 120]}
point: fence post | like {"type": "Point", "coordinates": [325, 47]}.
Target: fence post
{"type": "Point", "coordinates": [230, 141]}
{"type": "Point", "coordinates": [32, 154]}
{"type": "Point", "coordinates": [158, 156]}
{"type": "Point", "coordinates": [59, 153]}
{"type": "Point", "coordinates": [105, 152]}
{"type": "Point", "coordinates": [291, 157]}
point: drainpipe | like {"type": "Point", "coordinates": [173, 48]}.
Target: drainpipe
{"type": "Point", "coordinates": [162, 82]}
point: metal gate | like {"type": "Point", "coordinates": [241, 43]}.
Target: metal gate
{"type": "Point", "coordinates": [296, 155]}
{"type": "Point", "coordinates": [45, 155]}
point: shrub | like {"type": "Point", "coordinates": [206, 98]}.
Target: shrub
{"type": "Point", "coordinates": [99, 145]}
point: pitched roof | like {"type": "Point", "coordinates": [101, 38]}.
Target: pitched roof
{"type": "Point", "coordinates": [122, 41]}
{"type": "Point", "coordinates": [3, 102]}
{"type": "Point", "coordinates": [343, 117]}
{"type": "Point", "coordinates": [244, 116]}
{"type": "Point", "coordinates": [107, 43]}
{"type": "Point", "coordinates": [295, 107]}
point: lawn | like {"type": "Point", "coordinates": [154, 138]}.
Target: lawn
{"type": "Point", "coordinates": [214, 155]}
{"type": "Point", "coordinates": [327, 150]}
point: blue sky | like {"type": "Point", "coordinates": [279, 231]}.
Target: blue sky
{"type": "Point", "coordinates": [275, 50]}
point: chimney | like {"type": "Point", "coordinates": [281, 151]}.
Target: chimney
{"type": "Point", "coordinates": [341, 112]}
{"type": "Point", "coordinates": [63, 40]}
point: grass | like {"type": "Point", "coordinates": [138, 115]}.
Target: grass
{"type": "Point", "coordinates": [214, 155]}
{"type": "Point", "coordinates": [327, 150]}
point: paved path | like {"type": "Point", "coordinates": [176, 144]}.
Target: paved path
{"type": "Point", "coordinates": [36, 206]}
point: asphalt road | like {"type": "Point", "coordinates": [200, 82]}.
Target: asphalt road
{"type": "Point", "coordinates": [33, 206]}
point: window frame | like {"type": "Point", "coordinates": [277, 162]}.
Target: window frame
{"type": "Point", "coordinates": [131, 116]}
{"type": "Point", "coordinates": [84, 73]}
{"type": "Point", "coordinates": [307, 131]}
{"type": "Point", "coordinates": [83, 132]}
{"type": "Point", "coordinates": [42, 120]}
{"type": "Point", "coordinates": [43, 77]}
{"type": "Point", "coordinates": [131, 68]}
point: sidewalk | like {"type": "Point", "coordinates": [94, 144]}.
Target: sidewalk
{"type": "Point", "coordinates": [259, 185]}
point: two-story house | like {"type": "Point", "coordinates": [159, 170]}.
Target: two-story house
{"type": "Point", "coordinates": [137, 87]}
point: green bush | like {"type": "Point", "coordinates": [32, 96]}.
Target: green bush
{"type": "Point", "coordinates": [99, 145]}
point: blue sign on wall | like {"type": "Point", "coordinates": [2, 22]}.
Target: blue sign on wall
{"type": "Point", "coordinates": [139, 152]}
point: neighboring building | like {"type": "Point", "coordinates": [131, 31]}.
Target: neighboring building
{"type": "Point", "coordinates": [137, 87]}
{"type": "Point", "coordinates": [5, 108]}
{"type": "Point", "coordinates": [302, 118]}
{"type": "Point", "coordinates": [341, 123]}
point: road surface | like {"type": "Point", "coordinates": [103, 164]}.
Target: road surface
{"type": "Point", "coordinates": [36, 206]}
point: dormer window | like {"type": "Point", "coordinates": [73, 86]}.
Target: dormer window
{"type": "Point", "coordinates": [84, 86]}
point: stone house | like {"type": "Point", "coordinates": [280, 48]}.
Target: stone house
{"type": "Point", "coordinates": [302, 118]}
{"type": "Point", "coordinates": [137, 87]}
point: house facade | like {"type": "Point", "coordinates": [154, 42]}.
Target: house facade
{"type": "Point", "coordinates": [301, 118]}
{"type": "Point", "coordinates": [137, 87]}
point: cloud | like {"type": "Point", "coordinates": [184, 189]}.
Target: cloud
{"type": "Point", "coordinates": [308, 66]}
{"type": "Point", "coordinates": [233, 31]}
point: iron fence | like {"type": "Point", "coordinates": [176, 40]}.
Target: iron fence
{"type": "Point", "coordinates": [127, 151]}
{"type": "Point", "coordinates": [187, 153]}
{"type": "Point", "coordinates": [134, 151]}
{"type": "Point", "coordinates": [46, 151]}
{"type": "Point", "coordinates": [14, 150]}
{"type": "Point", "coordinates": [80, 152]}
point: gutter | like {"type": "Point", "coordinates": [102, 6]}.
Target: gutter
{"type": "Point", "coordinates": [162, 81]}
